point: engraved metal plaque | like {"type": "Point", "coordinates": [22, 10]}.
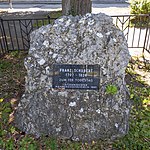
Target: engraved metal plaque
{"type": "Point", "coordinates": [68, 76]}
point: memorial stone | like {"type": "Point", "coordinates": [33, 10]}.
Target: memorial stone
{"type": "Point", "coordinates": [75, 85]}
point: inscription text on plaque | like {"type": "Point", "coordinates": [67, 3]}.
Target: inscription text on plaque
{"type": "Point", "coordinates": [68, 76]}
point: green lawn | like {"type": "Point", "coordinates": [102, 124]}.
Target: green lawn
{"type": "Point", "coordinates": [12, 75]}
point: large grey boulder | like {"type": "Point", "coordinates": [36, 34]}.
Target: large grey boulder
{"type": "Point", "coordinates": [77, 114]}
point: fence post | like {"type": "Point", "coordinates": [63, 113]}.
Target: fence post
{"type": "Point", "coordinates": [146, 34]}
{"type": "Point", "coordinates": [4, 44]}
{"type": "Point", "coordinates": [49, 19]}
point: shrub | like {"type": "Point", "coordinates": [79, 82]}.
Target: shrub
{"type": "Point", "coordinates": [140, 6]}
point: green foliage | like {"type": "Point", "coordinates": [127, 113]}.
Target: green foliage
{"type": "Point", "coordinates": [40, 23]}
{"type": "Point", "coordinates": [14, 53]}
{"type": "Point", "coordinates": [5, 65]}
{"type": "Point", "coordinates": [28, 143]}
{"type": "Point", "coordinates": [12, 73]}
{"type": "Point", "coordinates": [5, 110]}
{"type": "Point", "coordinates": [50, 143]}
{"type": "Point", "coordinates": [111, 89]}
{"type": "Point", "coordinates": [140, 7]}
{"type": "Point", "coordinates": [138, 137]}
{"type": "Point", "coordinates": [9, 144]}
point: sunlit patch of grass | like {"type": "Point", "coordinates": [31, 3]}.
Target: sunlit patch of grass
{"type": "Point", "coordinates": [146, 103]}
{"type": "Point", "coordinates": [139, 131]}
{"type": "Point", "coordinates": [138, 137]}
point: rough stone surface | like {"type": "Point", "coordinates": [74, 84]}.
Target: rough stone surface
{"type": "Point", "coordinates": [80, 115]}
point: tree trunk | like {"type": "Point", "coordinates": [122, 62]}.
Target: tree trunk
{"type": "Point", "coordinates": [76, 7]}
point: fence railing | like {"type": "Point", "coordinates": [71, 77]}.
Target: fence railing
{"type": "Point", "coordinates": [147, 41]}
{"type": "Point", "coordinates": [15, 33]}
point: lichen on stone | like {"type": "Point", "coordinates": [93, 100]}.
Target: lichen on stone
{"type": "Point", "coordinates": [82, 115]}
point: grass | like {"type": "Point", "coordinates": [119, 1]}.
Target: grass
{"type": "Point", "coordinates": [138, 137]}
{"type": "Point", "coordinates": [12, 75]}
